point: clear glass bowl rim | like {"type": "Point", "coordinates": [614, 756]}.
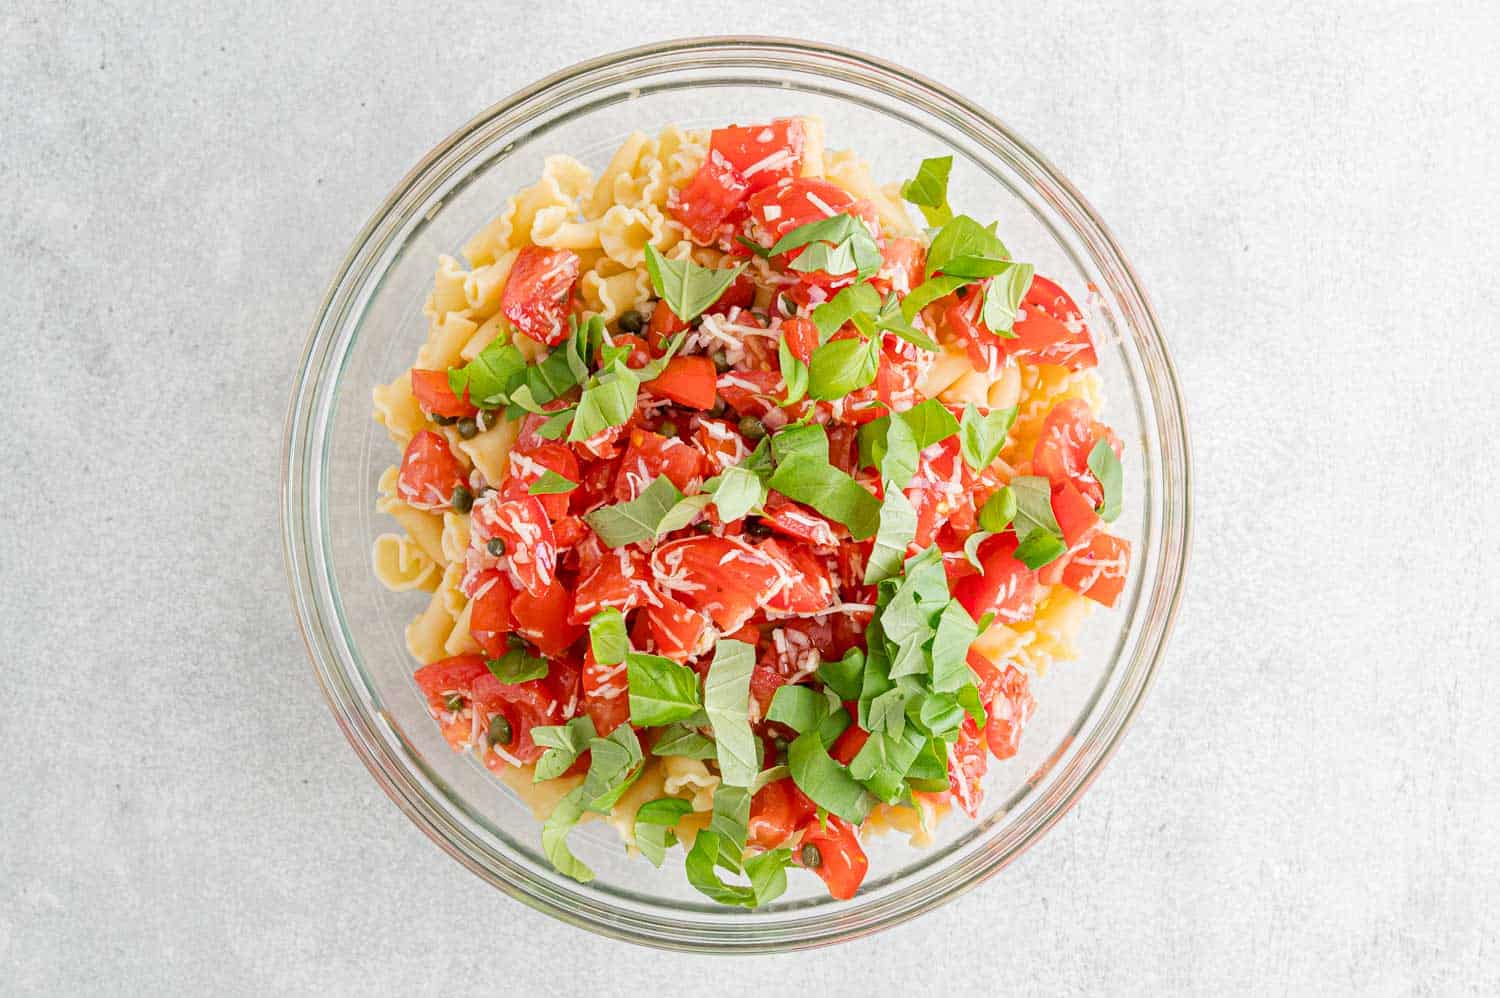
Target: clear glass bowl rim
{"type": "Point", "coordinates": [310, 581]}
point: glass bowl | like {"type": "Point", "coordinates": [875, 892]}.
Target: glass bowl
{"type": "Point", "coordinates": [368, 329]}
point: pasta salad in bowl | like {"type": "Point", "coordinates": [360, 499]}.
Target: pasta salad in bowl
{"type": "Point", "coordinates": [747, 509]}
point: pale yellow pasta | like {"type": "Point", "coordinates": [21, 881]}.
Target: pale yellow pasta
{"type": "Point", "coordinates": [648, 786]}
{"type": "Point", "coordinates": [460, 641]}
{"type": "Point", "coordinates": [485, 285]}
{"type": "Point", "coordinates": [556, 228]}
{"type": "Point", "coordinates": [445, 339]}
{"type": "Point", "coordinates": [455, 538]}
{"type": "Point", "coordinates": [564, 180]}
{"type": "Point", "coordinates": [852, 173]}
{"type": "Point", "coordinates": [396, 409]}
{"type": "Point", "coordinates": [812, 146]}
{"type": "Point", "coordinates": [496, 325]}
{"type": "Point", "coordinates": [624, 233]}
{"type": "Point", "coordinates": [917, 824]}
{"type": "Point", "coordinates": [621, 166]}
{"type": "Point", "coordinates": [1043, 386]}
{"type": "Point", "coordinates": [611, 296]}
{"type": "Point", "coordinates": [425, 528]}
{"type": "Point", "coordinates": [686, 777]}
{"type": "Point", "coordinates": [490, 451]}
{"type": "Point", "coordinates": [682, 153]}
{"type": "Point", "coordinates": [427, 635]}
{"type": "Point", "coordinates": [402, 565]}
{"type": "Point", "coordinates": [541, 797]}
{"type": "Point", "coordinates": [454, 600]}
{"type": "Point", "coordinates": [972, 388]}
{"type": "Point", "coordinates": [447, 289]}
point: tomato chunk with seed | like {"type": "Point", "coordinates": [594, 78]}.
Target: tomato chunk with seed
{"type": "Point", "coordinates": [1006, 587]}
{"type": "Point", "coordinates": [429, 472]}
{"type": "Point", "coordinates": [1099, 570]}
{"type": "Point", "coordinates": [651, 455]}
{"type": "Point", "coordinates": [711, 200]}
{"type": "Point", "coordinates": [538, 293]}
{"type": "Point", "coordinates": [449, 677]}
{"type": "Point", "coordinates": [1051, 329]}
{"type": "Point", "coordinates": [542, 619]}
{"type": "Point", "coordinates": [1008, 710]}
{"type": "Point", "coordinates": [619, 580]}
{"type": "Point", "coordinates": [762, 154]}
{"type": "Point", "coordinates": [680, 632]}
{"type": "Point", "coordinates": [525, 469]}
{"type": "Point", "coordinates": [723, 577]}
{"type": "Point", "coordinates": [688, 381]}
{"type": "Point", "coordinates": [777, 810]}
{"type": "Point", "coordinates": [605, 697]}
{"type": "Point", "coordinates": [841, 861]}
{"type": "Point", "coordinates": [967, 762]}
{"type": "Point", "coordinates": [489, 617]}
{"type": "Point", "coordinates": [1068, 435]}
{"type": "Point", "coordinates": [808, 588]}
{"type": "Point", "coordinates": [530, 546]}
{"type": "Point", "coordinates": [436, 397]}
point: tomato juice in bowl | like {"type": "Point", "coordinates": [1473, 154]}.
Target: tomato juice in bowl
{"type": "Point", "coordinates": [335, 455]}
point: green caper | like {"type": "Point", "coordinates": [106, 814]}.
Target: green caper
{"type": "Point", "coordinates": [495, 546]}
{"type": "Point", "coordinates": [467, 427]}
{"type": "Point", "coordinates": [442, 420]}
{"type": "Point", "coordinates": [462, 500]}
{"type": "Point", "coordinates": [704, 526]}
{"type": "Point", "coordinates": [632, 322]}
{"type": "Point", "coordinates": [811, 857]}
{"type": "Point", "coordinates": [500, 730]}
{"type": "Point", "coordinates": [492, 417]}
{"type": "Point", "coordinates": [667, 429]}
{"type": "Point", "coordinates": [719, 408]}
{"type": "Point", "coordinates": [754, 527]}
{"type": "Point", "coordinates": [516, 642]}
{"type": "Point", "coordinates": [752, 428]}
{"type": "Point", "coordinates": [455, 701]}
{"type": "Point", "coordinates": [721, 362]}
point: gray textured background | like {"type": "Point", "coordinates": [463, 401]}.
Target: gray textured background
{"type": "Point", "coordinates": [1307, 802]}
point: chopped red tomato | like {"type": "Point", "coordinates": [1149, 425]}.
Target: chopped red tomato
{"type": "Point", "coordinates": [721, 444]}
{"type": "Point", "coordinates": [680, 632]}
{"type": "Point", "coordinates": [687, 381]}
{"type": "Point", "coordinates": [489, 617]}
{"type": "Point", "coordinates": [795, 201]}
{"type": "Point", "coordinates": [901, 265]}
{"type": "Point", "coordinates": [762, 154]}
{"type": "Point", "coordinates": [801, 337]}
{"type": "Point", "coordinates": [449, 677]}
{"type": "Point", "coordinates": [639, 355]}
{"type": "Point", "coordinates": [776, 811]}
{"type": "Point", "coordinates": [841, 862]}
{"type": "Point", "coordinates": [1075, 514]}
{"type": "Point", "coordinates": [429, 472]}
{"type": "Point", "coordinates": [796, 521]}
{"type": "Point", "coordinates": [1069, 433]}
{"type": "Point", "coordinates": [740, 294]}
{"type": "Point", "coordinates": [807, 588]}
{"type": "Point", "coordinates": [1008, 710]}
{"type": "Point", "coordinates": [967, 762]}
{"type": "Point", "coordinates": [751, 393]}
{"type": "Point", "coordinates": [1051, 329]}
{"type": "Point", "coordinates": [1099, 570]}
{"type": "Point", "coordinates": [651, 455]}
{"type": "Point", "coordinates": [530, 546]}
{"type": "Point", "coordinates": [525, 705]}
{"type": "Point", "coordinates": [543, 619]}
{"type": "Point", "coordinates": [721, 576]}
{"type": "Point", "coordinates": [663, 326]}
{"type": "Point", "coordinates": [605, 698]}
{"type": "Point", "coordinates": [537, 293]}
{"type": "Point", "coordinates": [525, 469]}
{"type": "Point", "coordinates": [710, 200]}
{"type": "Point", "coordinates": [849, 743]}
{"type": "Point", "coordinates": [619, 581]}
{"type": "Point", "coordinates": [1006, 588]}
{"type": "Point", "coordinates": [960, 312]}
{"type": "Point", "coordinates": [436, 397]}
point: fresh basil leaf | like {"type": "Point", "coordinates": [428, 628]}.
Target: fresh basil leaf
{"type": "Point", "coordinates": [826, 782]}
{"type": "Point", "coordinates": [1033, 495]}
{"type": "Point", "coordinates": [830, 316]}
{"type": "Point", "coordinates": [971, 547]}
{"type": "Point", "coordinates": [490, 375]}
{"type": "Point", "coordinates": [857, 255]}
{"type": "Point", "coordinates": [516, 666]}
{"type": "Point", "coordinates": [1040, 547]}
{"type": "Point", "coordinates": [1002, 299]}
{"type": "Point", "coordinates": [564, 744]}
{"type": "Point", "coordinates": [800, 708]}
{"type": "Point", "coordinates": [980, 438]}
{"type": "Point", "coordinates": [968, 699]}
{"type": "Point", "coordinates": [731, 820]}
{"type": "Point", "coordinates": [793, 373]}
{"type": "Point", "coordinates": [928, 190]}
{"type": "Point", "coordinates": [608, 402]}
{"type": "Point", "coordinates": [521, 398]}
{"type": "Point", "coordinates": [845, 676]}
{"type": "Point", "coordinates": [1105, 465]}
{"type": "Point", "coordinates": [887, 712]}
{"type": "Point", "coordinates": [555, 831]}
{"type": "Point", "coordinates": [736, 492]}
{"type": "Point", "coordinates": [661, 691]}
{"type": "Point", "coordinates": [883, 761]}
{"type": "Point", "coordinates": [809, 440]}
{"type": "Point", "coordinates": [956, 630]}
{"type": "Point", "coordinates": [890, 319]}
{"type": "Point", "coordinates": [726, 700]}
{"type": "Point", "coordinates": [833, 229]}
{"type": "Point", "coordinates": [842, 366]}
{"type": "Point", "coordinates": [939, 714]}
{"type": "Point", "coordinates": [767, 872]}
{"type": "Point", "coordinates": [683, 512]}
{"type": "Point", "coordinates": [685, 287]}
{"type": "Point", "coordinates": [899, 463]}
{"type": "Point", "coordinates": [614, 764]}
{"type": "Point", "coordinates": [654, 824]}
{"type": "Point", "coordinates": [753, 247]}
{"type": "Point", "coordinates": [607, 637]}
{"type": "Point", "coordinates": [766, 777]}
{"type": "Point", "coordinates": [929, 770]}
{"type": "Point", "coordinates": [556, 425]}
{"type": "Point", "coordinates": [898, 526]}
{"type": "Point", "coordinates": [681, 740]}
{"type": "Point", "coordinates": [834, 725]}
{"type": "Point", "coordinates": [930, 422]}
{"type": "Point", "coordinates": [929, 291]}
{"type": "Point", "coordinates": [551, 484]}
{"type": "Point", "coordinates": [637, 520]}
{"type": "Point", "coordinates": [964, 248]}
{"type": "Point", "coordinates": [654, 368]}
{"type": "Point", "coordinates": [997, 512]}
{"type": "Point", "coordinates": [829, 491]}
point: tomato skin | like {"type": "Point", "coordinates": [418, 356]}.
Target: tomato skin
{"type": "Point", "coordinates": [530, 545]}
{"type": "Point", "coordinates": [849, 743]}
{"type": "Point", "coordinates": [618, 581]}
{"type": "Point", "coordinates": [525, 705]}
{"type": "Point", "coordinates": [777, 810]}
{"type": "Point", "coordinates": [740, 294]}
{"type": "Point", "coordinates": [748, 148]}
{"type": "Point", "coordinates": [449, 675]}
{"type": "Point", "coordinates": [525, 469]}
{"type": "Point", "coordinates": [537, 293]}
{"type": "Point", "coordinates": [680, 632]}
{"type": "Point", "coordinates": [967, 762]}
{"type": "Point", "coordinates": [751, 393]}
{"type": "Point", "coordinates": [1099, 571]}
{"type": "Point", "coordinates": [663, 326]}
{"type": "Point", "coordinates": [902, 260]}
{"type": "Point", "coordinates": [651, 455]}
{"type": "Point", "coordinates": [1069, 433]}
{"type": "Point", "coordinates": [543, 619]}
{"type": "Point", "coordinates": [721, 444]}
{"type": "Point", "coordinates": [843, 862]}
{"type": "Point", "coordinates": [1006, 587]}
{"type": "Point", "coordinates": [429, 472]}
{"type": "Point", "coordinates": [788, 203]}
{"type": "Point", "coordinates": [489, 617]}
{"type": "Point", "coordinates": [1051, 330]}
{"type": "Point", "coordinates": [436, 397]}
{"type": "Point", "coordinates": [639, 355]}
{"type": "Point", "coordinates": [1008, 709]}
{"type": "Point", "coordinates": [801, 337]}
{"type": "Point", "coordinates": [710, 200]}
{"type": "Point", "coordinates": [688, 381]}
{"type": "Point", "coordinates": [794, 520]}
{"type": "Point", "coordinates": [810, 589]}
{"type": "Point", "coordinates": [605, 698]}
{"type": "Point", "coordinates": [721, 576]}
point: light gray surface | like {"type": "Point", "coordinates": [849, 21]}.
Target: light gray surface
{"type": "Point", "coordinates": [1307, 801]}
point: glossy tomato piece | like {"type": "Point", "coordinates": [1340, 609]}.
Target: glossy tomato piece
{"type": "Point", "coordinates": [849, 743]}
{"type": "Point", "coordinates": [525, 705]}
{"type": "Point", "coordinates": [450, 677]}
{"type": "Point", "coordinates": [538, 292]}
{"type": "Point", "coordinates": [663, 326]}
{"type": "Point", "coordinates": [1008, 710]}
{"type": "Point", "coordinates": [841, 861]}
{"type": "Point", "coordinates": [807, 588]}
{"type": "Point", "coordinates": [429, 472]}
{"type": "Point", "coordinates": [967, 762]}
{"type": "Point", "coordinates": [1099, 570]}
{"type": "Point", "coordinates": [762, 154]}
{"type": "Point", "coordinates": [1068, 435]}
{"type": "Point", "coordinates": [651, 455]}
{"type": "Point", "coordinates": [489, 617]}
{"type": "Point", "coordinates": [543, 619]}
{"type": "Point", "coordinates": [786, 204]}
{"type": "Point", "coordinates": [902, 260]}
{"type": "Point", "coordinates": [801, 337]}
{"type": "Point", "coordinates": [776, 811]}
{"type": "Point", "coordinates": [606, 698]}
{"type": "Point", "coordinates": [740, 294]}
{"type": "Point", "coordinates": [688, 381]}
{"type": "Point", "coordinates": [1051, 330]}
{"type": "Point", "coordinates": [794, 520]}
{"type": "Point", "coordinates": [436, 397]}
{"type": "Point", "coordinates": [751, 393]}
{"type": "Point", "coordinates": [720, 443]}
{"type": "Point", "coordinates": [680, 632]}
{"type": "Point", "coordinates": [530, 546]}
{"type": "Point", "coordinates": [526, 468]}
{"type": "Point", "coordinates": [721, 576]}
{"type": "Point", "coordinates": [619, 580]}
{"type": "Point", "coordinates": [1006, 587]}
{"type": "Point", "coordinates": [711, 200]}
